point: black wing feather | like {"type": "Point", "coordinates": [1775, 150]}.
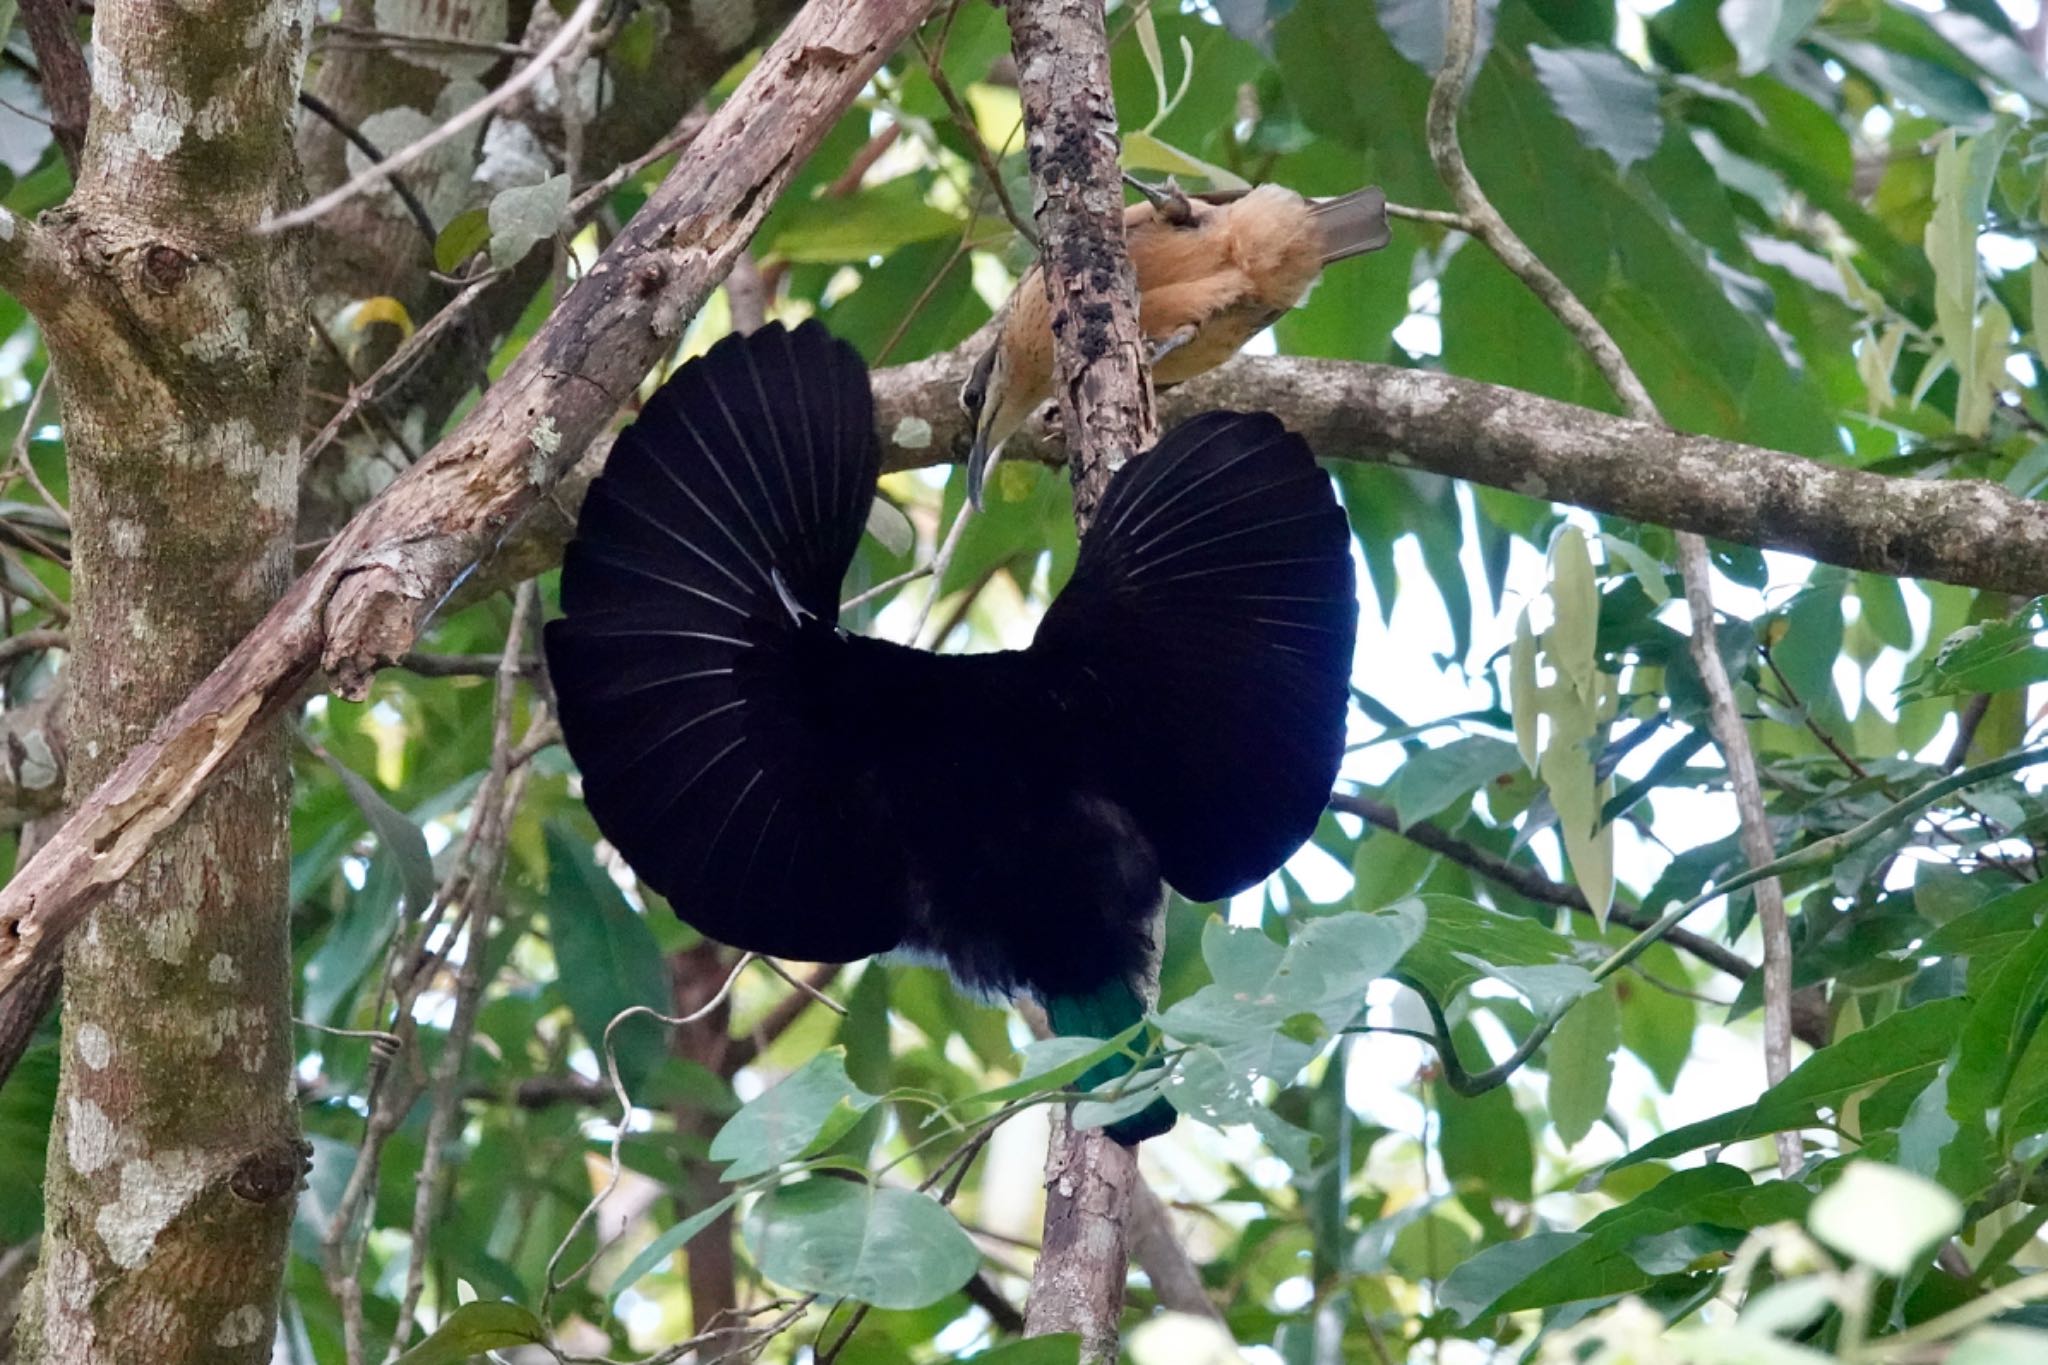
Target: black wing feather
{"type": "Point", "coordinates": [1214, 604]}
{"type": "Point", "coordinates": [694, 702]}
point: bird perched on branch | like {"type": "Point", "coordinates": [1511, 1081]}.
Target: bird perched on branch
{"type": "Point", "coordinates": [799, 791]}
{"type": "Point", "coordinates": [1213, 271]}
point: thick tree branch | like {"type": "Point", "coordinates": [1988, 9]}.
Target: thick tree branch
{"type": "Point", "coordinates": [1105, 399]}
{"type": "Point", "coordinates": [34, 267]}
{"type": "Point", "coordinates": [362, 602]}
{"type": "Point", "coordinates": [1963, 531]}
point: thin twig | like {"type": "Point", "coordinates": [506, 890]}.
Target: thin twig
{"type": "Point", "coordinates": [328, 115]}
{"type": "Point", "coordinates": [385, 38]}
{"type": "Point", "coordinates": [804, 987]}
{"type": "Point", "coordinates": [479, 892]}
{"type": "Point", "coordinates": [32, 641]}
{"type": "Point", "coordinates": [543, 62]}
{"type": "Point", "coordinates": [552, 1283]}
{"type": "Point", "coordinates": [1440, 217]}
{"type": "Point", "coordinates": [1485, 222]}
{"type": "Point", "coordinates": [963, 117]}
{"type": "Point", "coordinates": [940, 562]}
{"type": "Point", "coordinates": [398, 363]}
{"type": "Point", "coordinates": [21, 457]}
{"type": "Point", "coordinates": [1530, 883]}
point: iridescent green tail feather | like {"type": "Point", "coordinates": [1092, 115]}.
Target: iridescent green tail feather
{"type": "Point", "coordinates": [1105, 1013]}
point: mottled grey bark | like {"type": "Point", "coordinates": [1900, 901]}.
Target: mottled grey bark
{"type": "Point", "coordinates": [1964, 531]}
{"type": "Point", "coordinates": [1105, 401]}
{"type": "Point", "coordinates": [179, 341]}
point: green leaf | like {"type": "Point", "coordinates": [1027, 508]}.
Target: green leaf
{"type": "Point", "coordinates": [1608, 99]}
{"type": "Point", "coordinates": [1546, 986]}
{"type": "Point", "coordinates": [887, 1247]}
{"type": "Point", "coordinates": [887, 524]}
{"type": "Point", "coordinates": [1906, 1047]}
{"type": "Point", "coordinates": [354, 943]}
{"type": "Point", "coordinates": [1487, 1278]}
{"type": "Point", "coordinates": [1484, 1143]}
{"type": "Point", "coordinates": [27, 1103]}
{"type": "Point", "coordinates": [1988, 656]}
{"type": "Point", "coordinates": [667, 1245]}
{"type": "Point", "coordinates": [1523, 692]}
{"type": "Point", "coordinates": [1056, 1063]}
{"type": "Point", "coordinates": [1580, 1061]}
{"type": "Point", "coordinates": [1143, 151]}
{"type": "Point", "coordinates": [1884, 609]}
{"type": "Point", "coordinates": [1658, 1025]}
{"type": "Point", "coordinates": [784, 1121]}
{"type": "Point", "coordinates": [1463, 941]}
{"type": "Point", "coordinates": [1765, 30]}
{"type": "Point", "coordinates": [525, 215]}
{"type": "Point", "coordinates": [1884, 1217]}
{"type": "Point", "coordinates": [606, 957]}
{"type": "Point", "coordinates": [1436, 778]}
{"type": "Point", "coordinates": [2000, 1025]}
{"type": "Point", "coordinates": [874, 222]}
{"type": "Point", "coordinates": [466, 234]}
{"type": "Point", "coordinates": [1259, 985]}
{"type": "Point", "coordinates": [395, 831]}
{"type": "Point", "coordinates": [1648, 571]}
{"type": "Point", "coordinates": [1993, 929]}
{"type": "Point", "coordinates": [1600, 1260]}
{"type": "Point", "coordinates": [473, 1329]}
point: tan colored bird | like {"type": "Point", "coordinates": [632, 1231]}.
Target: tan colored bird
{"type": "Point", "coordinates": [1214, 270]}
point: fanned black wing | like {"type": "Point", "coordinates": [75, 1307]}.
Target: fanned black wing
{"type": "Point", "coordinates": [1213, 611]}
{"type": "Point", "coordinates": [696, 699]}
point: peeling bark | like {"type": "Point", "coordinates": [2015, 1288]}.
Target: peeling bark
{"type": "Point", "coordinates": [175, 1155]}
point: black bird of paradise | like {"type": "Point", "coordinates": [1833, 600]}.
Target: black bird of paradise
{"type": "Point", "coordinates": [1179, 715]}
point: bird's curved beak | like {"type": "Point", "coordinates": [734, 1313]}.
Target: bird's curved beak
{"type": "Point", "coordinates": [980, 459]}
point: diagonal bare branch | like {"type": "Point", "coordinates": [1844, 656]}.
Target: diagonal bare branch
{"type": "Point", "coordinates": [362, 602]}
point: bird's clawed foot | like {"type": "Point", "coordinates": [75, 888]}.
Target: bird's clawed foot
{"type": "Point", "coordinates": [1165, 346]}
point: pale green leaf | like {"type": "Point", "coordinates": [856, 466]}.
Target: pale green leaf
{"type": "Point", "coordinates": [1581, 1064]}
{"type": "Point", "coordinates": [525, 215]}
{"type": "Point", "coordinates": [667, 1245]}
{"type": "Point", "coordinates": [473, 1329]}
{"type": "Point", "coordinates": [784, 1120]}
{"type": "Point", "coordinates": [888, 1247]}
{"type": "Point", "coordinates": [888, 525]}
{"type": "Point", "coordinates": [1524, 694]}
{"type": "Point", "coordinates": [1884, 1217]}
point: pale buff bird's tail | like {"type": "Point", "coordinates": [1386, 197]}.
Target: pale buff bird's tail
{"type": "Point", "coordinates": [1351, 224]}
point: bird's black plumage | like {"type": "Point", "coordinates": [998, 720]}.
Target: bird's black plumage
{"type": "Point", "coordinates": [807, 793]}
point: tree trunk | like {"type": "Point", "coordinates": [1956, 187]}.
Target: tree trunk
{"type": "Point", "coordinates": [175, 1155]}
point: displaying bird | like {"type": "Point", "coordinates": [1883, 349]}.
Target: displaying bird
{"type": "Point", "coordinates": [1211, 275]}
{"type": "Point", "coordinates": [804, 792]}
